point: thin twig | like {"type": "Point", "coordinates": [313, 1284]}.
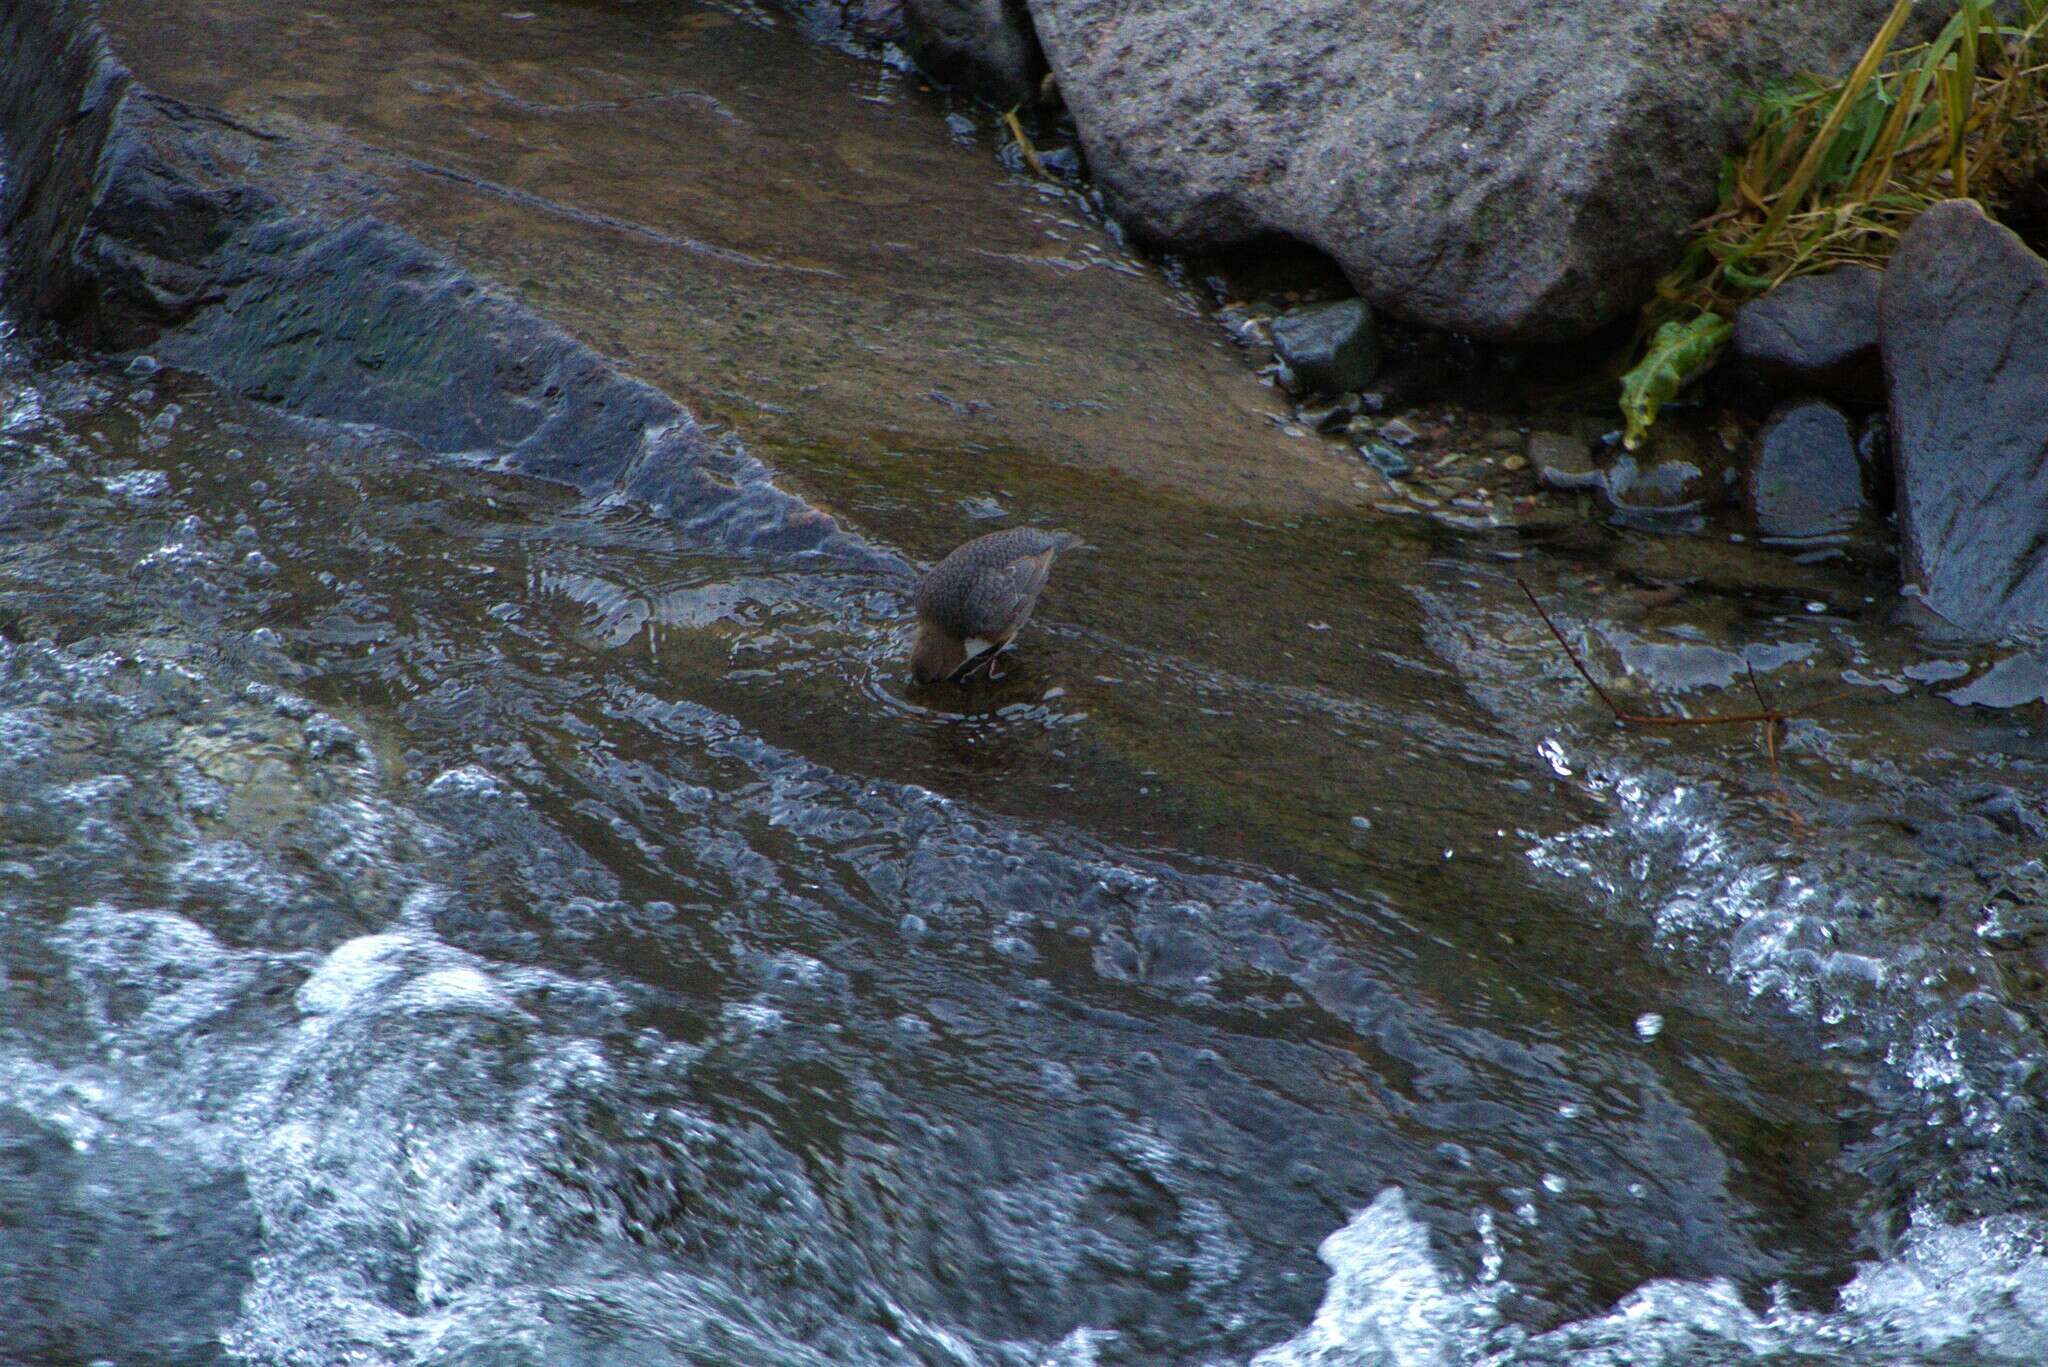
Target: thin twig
{"type": "Point", "coordinates": [1569, 653]}
{"type": "Point", "coordinates": [1778, 790]}
{"type": "Point", "coordinates": [1767, 716]}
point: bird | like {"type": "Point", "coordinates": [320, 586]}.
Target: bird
{"type": "Point", "coordinates": [976, 600]}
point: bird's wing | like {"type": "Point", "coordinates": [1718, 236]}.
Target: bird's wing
{"type": "Point", "coordinates": [1004, 599]}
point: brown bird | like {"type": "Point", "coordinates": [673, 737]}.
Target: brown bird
{"type": "Point", "coordinates": [976, 600]}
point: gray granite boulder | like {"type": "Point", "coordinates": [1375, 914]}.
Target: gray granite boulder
{"type": "Point", "coordinates": [1513, 169]}
{"type": "Point", "coordinates": [1964, 322]}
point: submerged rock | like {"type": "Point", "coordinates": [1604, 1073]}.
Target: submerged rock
{"type": "Point", "coordinates": [1331, 347]}
{"type": "Point", "coordinates": [1563, 461]}
{"type": "Point", "coordinates": [987, 46]}
{"type": "Point", "coordinates": [1805, 480]}
{"type": "Point", "coordinates": [1816, 334]}
{"type": "Point", "coordinates": [1516, 170]}
{"type": "Point", "coordinates": [2012, 682]}
{"type": "Point", "coordinates": [1964, 321]}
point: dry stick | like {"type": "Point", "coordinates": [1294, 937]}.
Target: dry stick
{"type": "Point", "coordinates": [1770, 718]}
{"type": "Point", "coordinates": [1771, 750]}
{"type": "Point", "coordinates": [1024, 143]}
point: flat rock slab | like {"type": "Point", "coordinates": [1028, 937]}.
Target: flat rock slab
{"type": "Point", "coordinates": [1964, 321]}
{"type": "Point", "coordinates": [1512, 169]}
{"type": "Point", "coordinates": [874, 298]}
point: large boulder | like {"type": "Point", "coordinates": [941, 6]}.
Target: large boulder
{"type": "Point", "coordinates": [1513, 169]}
{"type": "Point", "coordinates": [1964, 323]}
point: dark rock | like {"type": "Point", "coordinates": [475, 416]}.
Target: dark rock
{"type": "Point", "coordinates": [1874, 450]}
{"type": "Point", "coordinates": [986, 46]}
{"type": "Point", "coordinates": [1964, 321]}
{"type": "Point", "coordinates": [1804, 479]}
{"type": "Point", "coordinates": [1331, 347]}
{"type": "Point", "coordinates": [1816, 334]}
{"type": "Point", "coordinates": [1517, 170]}
{"type": "Point", "coordinates": [1328, 417]}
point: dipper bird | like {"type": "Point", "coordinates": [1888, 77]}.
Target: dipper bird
{"type": "Point", "coordinates": [976, 600]}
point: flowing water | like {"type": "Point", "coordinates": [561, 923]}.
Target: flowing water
{"type": "Point", "coordinates": [448, 921]}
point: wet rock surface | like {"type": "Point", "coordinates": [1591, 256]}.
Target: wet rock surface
{"type": "Point", "coordinates": [1816, 335]}
{"type": "Point", "coordinates": [153, 224]}
{"type": "Point", "coordinates": [1805, 479]}
{"type": "Point", "coordinates": [885, 302]}
{"type": "Point", "coordinates": [1515, 170]}
{"type": "Point", "coordinates": [1965, 328]}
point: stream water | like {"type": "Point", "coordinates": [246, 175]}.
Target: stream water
{"type": "Point", "coordinates": [447, 921]}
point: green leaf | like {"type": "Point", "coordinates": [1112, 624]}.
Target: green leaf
{"type": "Point", "coordinates": [1678, 354]}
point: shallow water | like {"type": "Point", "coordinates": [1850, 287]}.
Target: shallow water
{"type": "Point", "coordinates": [448, 921]}
{"type": "Point", "coordinates": [415, 950]}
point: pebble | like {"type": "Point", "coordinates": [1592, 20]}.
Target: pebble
{"type": "Point", "coordinates": [1386, 460]}
{"type": "Point", "coordinates": [1400, 432]}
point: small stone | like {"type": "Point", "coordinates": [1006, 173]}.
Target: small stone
{"type": "Point", "coordinates": [1334, 417]}
{"type": "Point", "coordinates": [1805, 481]}
{"type": "Point", "coordinates": [1064, 162]}
{"type": "Point", "coordinates": [1517, 462]}
{"type": "Point", "coordinates": [1399, 431]}
{"type": "Point", "coordinates": [1246, 328]}
{"type": "Point", "coordinates": [1332, 347]}
{"type": "Point", "coordinates": [1387, 460]}
{"type": "Point", "coordinates": [1816, 334]}
{"type": "Point", "coordinates": [1563, 461]}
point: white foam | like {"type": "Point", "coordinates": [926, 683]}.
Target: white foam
{"type": "Point", "coordinates": [1974, 1293]}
